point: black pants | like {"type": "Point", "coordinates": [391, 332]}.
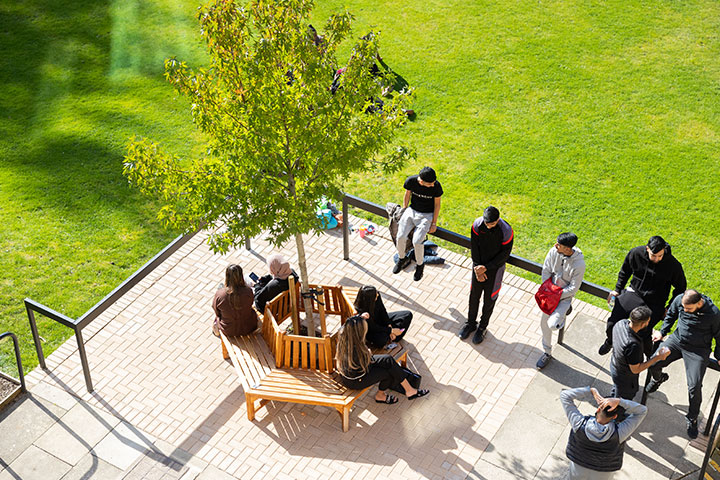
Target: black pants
{"type": "Point", "coordinates": [381, 337]}
{"type": "Point", "coordinates": [400, 319]}
{"type": "Point", "coordinates": [484, 289]}
{"type": "Point", "coordinates": [383, 369]}
{"type": "Point", "coordinates": [624, 385]}
{"type": "Point", "coordinates": [695, 365]}
{"type": "Point", "coordinates": [620, 312]}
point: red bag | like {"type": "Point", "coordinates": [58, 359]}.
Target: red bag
{"type": "Point", "coordinates": [548, 296]}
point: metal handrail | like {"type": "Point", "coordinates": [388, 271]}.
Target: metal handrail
{"type": "Point", "coordinates": [17, 358]}
{"type": "Point", "coordinates": [452, 237]}
{"type": "Point", "coordinates": [709, 448]}
{"type": "Point", "coordinates": [31, 306]}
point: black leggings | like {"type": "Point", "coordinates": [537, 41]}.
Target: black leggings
{"type": "Point", "coordinates": [383, 369]}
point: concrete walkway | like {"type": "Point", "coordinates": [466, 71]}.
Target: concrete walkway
{"type": "Point", "coordinates": [167, 406]}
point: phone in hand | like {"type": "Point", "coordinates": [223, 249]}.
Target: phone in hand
{"type": "Point", "coordinates": [254, 277]}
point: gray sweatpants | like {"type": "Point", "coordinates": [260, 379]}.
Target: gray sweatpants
{"type": "Point", "coordinates": [554, 321]}
{"type": "Point", "coordinates": [421, 222]}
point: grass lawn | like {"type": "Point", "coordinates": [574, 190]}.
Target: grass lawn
{"type": "Point", "coordinates": [600, 118]}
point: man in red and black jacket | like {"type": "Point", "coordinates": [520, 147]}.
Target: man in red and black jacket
{"type": "Point", "coordinates": [491, 241]}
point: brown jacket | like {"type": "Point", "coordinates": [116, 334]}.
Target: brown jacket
{"type": "Point", "coordinates": [232, 321]}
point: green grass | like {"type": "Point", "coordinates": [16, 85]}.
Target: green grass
{"type": "Point", "coordinates": [79, 79]}
{"type": "Point", "coordinates": [600, 118]}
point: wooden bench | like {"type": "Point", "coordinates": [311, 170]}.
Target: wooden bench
{"type": "Point", "coordinates": [288, 368]}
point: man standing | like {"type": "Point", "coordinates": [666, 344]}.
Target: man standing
{"type": "Point", "coordinates": [422, 194]}
{"type": "Point", "coordinates": [596, 444]}
{"type": "Point", "coordinates": [565, 265]}
{"type": "Point", "coordinates": [627, 358]}
{"type": "Point", "coordinates": [654, 270]}
{"type": "Point", "coordinates": [698, 323]}
{"type": "Point", "coordinates": [491, 241]}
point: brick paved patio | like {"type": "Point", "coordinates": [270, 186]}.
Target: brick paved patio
{"type": "Point", "coordinates": [156, 366]}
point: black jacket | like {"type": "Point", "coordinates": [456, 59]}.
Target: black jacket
{"type": "Point", "coordinates": [268, 288]}
{"type": "Point", "coordinates": [491, 247]}
{"type": "Point", "coordinates": [652, 281]}
{"type": "Point", "coordinates": [694, 330]}
{"type": "Point", "coordinates": [599, 456]}
{"type": "Point", "coordinates": [379, 326]}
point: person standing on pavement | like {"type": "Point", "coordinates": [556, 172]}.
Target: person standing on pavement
{"type": "Point", "coordinates": [565, 265]}
{"type": "Point", "coordinates": [491, 241]}
{"type": "Point", "coordinates": [597, 443]}
{"type": "Point", "coordinates": [627, 358]}
{"type": "Point", "coordinates": [422, 195]}
{"type": "Point", "coordinates": [698, 323]}
{"type": "Point", "coordinates": [654, 271]}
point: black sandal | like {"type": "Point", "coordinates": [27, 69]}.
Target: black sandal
{"type": "Point", "coordinates": [420, 393]}
{"type": "Point", "coordinates": [389, 399]}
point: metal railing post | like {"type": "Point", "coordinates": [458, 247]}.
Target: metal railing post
{"type": "Point", "coordinates": [345, 229]}
{"type": "Point", "coordinates": [36, 337]}
{"type": "Point", "coordinates": [709, 448]}
{"type": "Point", "coordinates": [83, 360]}
{"type": "Point", "coordinates": [16, 346]}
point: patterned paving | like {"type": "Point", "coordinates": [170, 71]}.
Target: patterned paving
{"type": "Point", "coordinates": [156, 365]}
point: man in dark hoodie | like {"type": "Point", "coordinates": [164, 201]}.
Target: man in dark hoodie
{"type": "Point", "coordinates": [654, 271]}
{"type": "Point", "coordinates": [491, 242]}
{"type": "Point", "coordinates": [698, 323]}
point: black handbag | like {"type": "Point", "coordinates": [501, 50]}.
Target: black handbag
{"type": "Point", "coordinates": [413, 379]}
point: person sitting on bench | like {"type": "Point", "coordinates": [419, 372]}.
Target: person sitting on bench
{"type": "Point", "coordinates": [359, 368]}
{"type": "Point", "coordinates": [383, 327]}
{"type": "Point", "coordinates": [272, 285]}
{"type": "Point", "coordinates": [233, 305]}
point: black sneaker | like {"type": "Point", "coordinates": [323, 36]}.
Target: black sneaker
{"type": "Point", "coordinates": [692, 427]}
{"type": "Point", "coordinates": [479, 336]}
{"type": "Point", "coordinates": [400, 264]}
{"type": "Point", "coordinates": [605, 348]}
{"type": "Point", "coordinates": [543, 361]}
{"type": "Point", "coordinates": [467, 329]}
{"type": "Point", "coordinates": [655, 384]}
{"type": "Point", "coordinates": [419, 272]}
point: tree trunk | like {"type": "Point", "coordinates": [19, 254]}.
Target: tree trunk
{"type": "Point", "coordinates": [309, 317]}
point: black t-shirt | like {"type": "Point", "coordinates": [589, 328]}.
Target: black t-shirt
{"type": "Point", "coordinates": [423, 198]}
{"type": "Point", "coordinates": [633, 353]}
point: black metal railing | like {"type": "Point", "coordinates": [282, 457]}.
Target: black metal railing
{"type": "Point", "coordinates": [452, 237]}
{"type": "Point", "coordinates": [21, 375]}
{"type": "Point", "coordinates": [710, 446]}
{"type": "Point", "coordinates": [32, 307]}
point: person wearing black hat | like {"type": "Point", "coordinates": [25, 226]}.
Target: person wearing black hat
{"type": "Point", "coordinates": [422, 195]}
{"type": "Point", "coordinates": [654, 271]}
{"type": "Point", "coordinates": [491, 241]}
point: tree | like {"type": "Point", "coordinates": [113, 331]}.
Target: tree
{"type": "Point", "coordinates": [279, 138]}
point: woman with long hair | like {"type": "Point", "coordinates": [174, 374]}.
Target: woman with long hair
{"type": "Point", "coordinates": [359, 368]}
{"type": "Point", "coordinates": [272, 285]}
{"type": "Point", "coordinates": [233, 305]}
{"type": "Point", "coordinates": [383, 327]}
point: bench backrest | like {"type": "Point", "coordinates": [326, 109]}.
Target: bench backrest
{"type": "Point", "coordinates": [310, 353]}
{"type": "Point", "coordinates": [272, 334]}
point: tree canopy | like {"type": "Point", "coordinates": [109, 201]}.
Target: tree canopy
{"type": "Point", "coordinates": [284, 126]}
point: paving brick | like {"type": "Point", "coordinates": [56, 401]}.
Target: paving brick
{"type": "Point", "coordinates": [154, 360]}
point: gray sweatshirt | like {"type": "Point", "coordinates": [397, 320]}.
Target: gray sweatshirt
{"type": "Point", "coordinates": [566, 272]}
{"type": "Point", "coordinates": [595, 431]}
